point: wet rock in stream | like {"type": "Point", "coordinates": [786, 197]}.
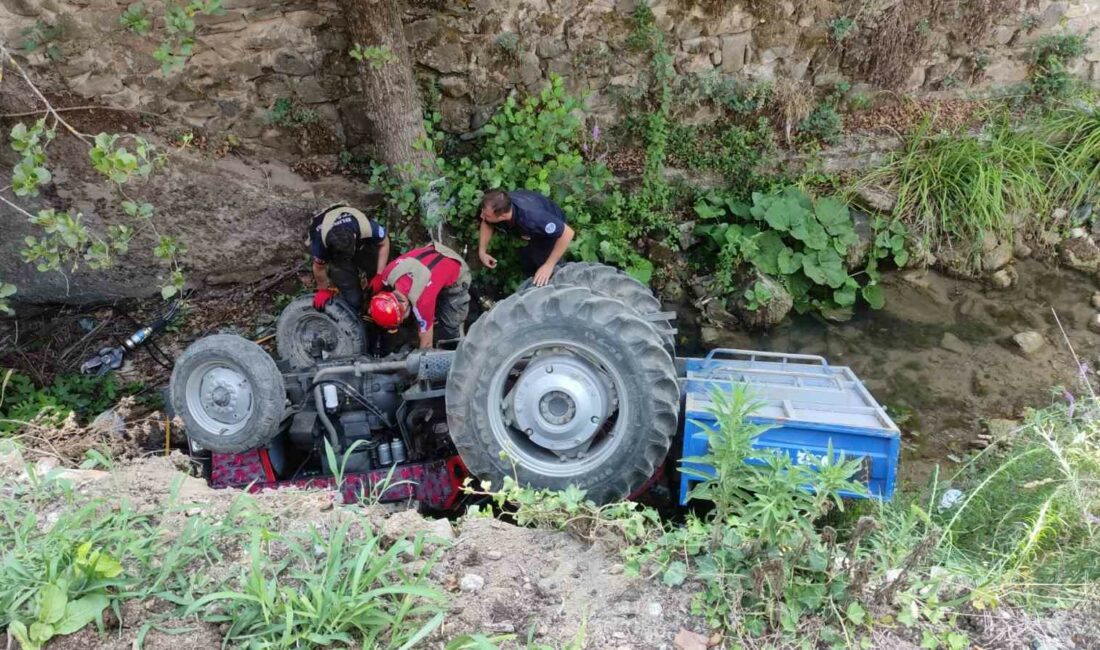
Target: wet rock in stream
{"type": "Point", "coordinates": [1030, 343]}
{"type": "Point", "coordinates": [1081, 254]}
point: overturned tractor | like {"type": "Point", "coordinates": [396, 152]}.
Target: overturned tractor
{"type": "Point", "coordinates": [575, 383]}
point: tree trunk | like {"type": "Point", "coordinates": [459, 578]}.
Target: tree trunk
{"type": "Point", "coordinates": [393, 116]}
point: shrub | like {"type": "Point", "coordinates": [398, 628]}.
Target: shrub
{"type": "Point", "coordinates": [955, 187]}
{"type": "Point", "coordinates": [823, 124]}
{"type": "Point", "coordinates": [740, 154]}
{"type": "Point", "coordinates": [792, 236]}
{"type": "Point", "coordinates": [1050, 57]}
{"type": "Point", "coordinates": [284, 112]}
{"type": "Point", "coordinates": [22, 402]}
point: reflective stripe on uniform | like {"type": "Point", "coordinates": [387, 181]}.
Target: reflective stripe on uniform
{"type": "Point", "coordinates": [419, 271]}
{"type": "Point", "coordinates": [329, 220]}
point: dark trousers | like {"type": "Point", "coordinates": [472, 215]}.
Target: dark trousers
{"type": "Point", "coordinates": [349, 276]}
{"type": "Point", "coordinates": [451, 309]}
{"type": "Point", "coordinates": [535, 254]}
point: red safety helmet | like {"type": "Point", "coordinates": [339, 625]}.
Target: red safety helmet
{"type": "Point", "coordinates": [385, 310]}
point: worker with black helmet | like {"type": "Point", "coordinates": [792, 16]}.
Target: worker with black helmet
{"type": "Point", "coordinates": [348, 249]}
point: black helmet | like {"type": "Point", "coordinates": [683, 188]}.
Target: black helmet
{"type": "Point", "coordinates": [340, 243]}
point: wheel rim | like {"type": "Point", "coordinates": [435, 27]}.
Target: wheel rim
{"type": "Point", "coordinates": [556, 408]}
{"type": "Point", "coordinates": [316, 328]}
{"type": "Point", "coordinates": [219, 397]}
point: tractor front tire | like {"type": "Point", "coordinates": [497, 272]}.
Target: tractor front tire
{"type": "Point", "coordinates": [305, 336]}
{"type": "Point", "coordinates": [614, 283]}
{"type": "Point", "coordinates": [229, 393]}
{"type": "Point", "coordinates": [559, 387]}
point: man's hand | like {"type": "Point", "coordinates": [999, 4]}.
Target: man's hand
{"type": "Point", "coordinates": [322, 298]}
{"type": "Point", "coordinates": [487, 260]}
{"type": "Point", "coordinates": [542, 276]}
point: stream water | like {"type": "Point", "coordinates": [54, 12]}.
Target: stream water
{"type": "Point", "coordinates": [940, 356]}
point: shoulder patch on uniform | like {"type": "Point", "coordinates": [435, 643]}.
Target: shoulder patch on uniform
{"type": "Point", "coordinates": [550, 228]}
{"type": "Point", "coordinates": [381, 231]}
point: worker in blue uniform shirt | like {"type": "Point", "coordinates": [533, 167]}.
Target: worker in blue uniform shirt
{"type": "Point", "coordinates": [536, 219]}
{"type": "Point", "coordinates": [348, 249]}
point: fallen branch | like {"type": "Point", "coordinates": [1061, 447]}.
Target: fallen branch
{"type": "Point", "coordinates": [77, 108]}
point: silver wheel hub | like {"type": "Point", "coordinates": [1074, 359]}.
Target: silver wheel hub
{"type": "Point", "coordinates": [560, 402]}
{"type": "Point", "coordinates": [223, 395]}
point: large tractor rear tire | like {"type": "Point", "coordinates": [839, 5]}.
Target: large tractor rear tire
{"type": "Point", "coordinates": [229, 393]}
{"type": "Point", "coordinates": [612, 282]}
{"type": "Point", "coordinates": [559, 387]}
{"type": "Point", "coordinates": [305, 336]}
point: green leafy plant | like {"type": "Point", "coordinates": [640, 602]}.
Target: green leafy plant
{"type": "Point", "coordinates": [21, 401]}
{"type": "Point", "coordinates": [765, 504]}
{"type": "Point", "coordinates": [758, 295]}
{"type": "Point", "coordinates": [823, 124]}
{"type": "Point", "coordinates": [57, 613]}
{"type": "Point", "coordinates": [841, 28]}
{"type": "Point", "coordinates": [30, 142]}
{"type": "Point", "coordinates": [43, 35]}
{"type": "Point", "coordinates": [508, 43]}
{"type": "Point", "coordinates": [7, 290]}
{"type": "Point", "coordinates": [570, 510]}
{"type": "Point", "coordinates": [1050, 57]}
{"type": "Point", "coordinates": [137, 19]}
{"type": "Point", "coordinates": [738, 153]}
{"type": "Point", "coordinates": [534, 143]}
{"type": "Point", "coordinates": [179, 23]}
{"type": "Point", "coordinates": [375, 56]}
{"type": "Point", "coordinates": [354, 592]}
{"type": "Point", "coordinates": [118, 164]}
{"type": "Point", "coordinates": [285, 112]}
{"type": "Point", "coordinates": [736, 97]}
{"type": "Point", "coordinates": [786, 234]}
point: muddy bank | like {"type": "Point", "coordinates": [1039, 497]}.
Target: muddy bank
{"type": "Point", "coordinates": [941, 354]}
{"type": "Point", "coordinates": [497, 578]}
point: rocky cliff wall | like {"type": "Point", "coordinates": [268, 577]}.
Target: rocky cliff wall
{"type": "Point", "coordinates": [475, 52]}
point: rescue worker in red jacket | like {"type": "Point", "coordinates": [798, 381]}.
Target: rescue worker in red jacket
{"type": "Point", "coordinates": [433, 284]}
{"type": "Point", "coordinates": [348, 249]}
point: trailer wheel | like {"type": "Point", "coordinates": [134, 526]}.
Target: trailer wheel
{"type": "Point", "coordinates": [561, 386]}
{"type": "Point", "coordinates": [304, 336]}
{"type": "Point", "coordinates": [229, 393]}
{"type": "Point", "coordinates": [615, 283]}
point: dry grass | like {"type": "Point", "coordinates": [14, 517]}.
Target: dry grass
{"type": "Point", "coordinates": [792, 101]}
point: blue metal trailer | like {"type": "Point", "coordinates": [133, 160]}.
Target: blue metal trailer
{"type": "Point", "coordinates": [809, 404]}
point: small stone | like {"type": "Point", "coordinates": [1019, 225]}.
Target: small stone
{"type": "Point", "coordinates": [1001, 428]}
{"type": "Point", "coordinates": [654, 609]}
{"type": "Point", "coordinates": [471, 582]}
{"type": "Point", "coordinates": [995, 253]}
{"type": "Point", "coordinates": [710, 334]}
{"type": "Point", "coordinates": [493, 555]}
{"type": "Point", "coordinates": [1021, 249]}
{"type": "Point", "coordinates": [1029, 343]}
{"type": "Point", "coordinates": [1096, 300]}
{"type": "Point", "coordinates": [454, 86]}
{"type": "Point", "coordinates": [615, 569]}
{"type": "Point", "coordinates": [1004, 278]}
{"type": "Point", "coordinates": [408, 523]}
{"type": "Point", "coordinates": [1094, 323]}
{"type": "Point", "coordinates": [688, 640]}
{"type": "Point", "coordinates": [952, 343]}
{"type": "Point", "coordinates": [918, 278]}
{"type": "Point", "coordinates": [1081, 254]}
{"type": "Point", "coordinates": [878, 199]}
